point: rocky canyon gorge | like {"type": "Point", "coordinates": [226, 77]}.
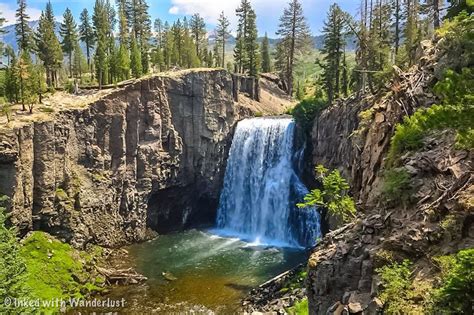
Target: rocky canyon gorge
{"type": "Point", "coordinates": [148, 156]}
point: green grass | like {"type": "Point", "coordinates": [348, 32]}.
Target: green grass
{"type": "Point", "coordinates": [56, 270]}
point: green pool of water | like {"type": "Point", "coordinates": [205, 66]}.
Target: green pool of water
{"type": "Point", "coordinates": [209, 271]}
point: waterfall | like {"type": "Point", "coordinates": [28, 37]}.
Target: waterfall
{"type": "Point", "coordinates": [261, 187]}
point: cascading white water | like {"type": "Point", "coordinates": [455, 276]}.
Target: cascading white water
{"type": "Point", "coordinates": [261, 187]}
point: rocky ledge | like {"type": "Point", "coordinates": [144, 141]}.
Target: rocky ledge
{"type": "Point", "coordinates": [148, 155]}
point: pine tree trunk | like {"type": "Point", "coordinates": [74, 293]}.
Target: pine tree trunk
{"type": "Point", "coordinates": [436, 19]}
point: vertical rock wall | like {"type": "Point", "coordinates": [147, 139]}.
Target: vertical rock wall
{"type": "Point", "coordinates": [151, 154]}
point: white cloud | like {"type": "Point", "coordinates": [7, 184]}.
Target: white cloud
{"type": "Point", "coordinates": [8, 11]}
{"type": "Point", "coordinates": [269, 10]}
{"type": "Point", "coordinates": [174, 10]}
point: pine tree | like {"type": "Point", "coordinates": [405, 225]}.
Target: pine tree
{"type": "Point", "coordinates": [101, 31]}
{"type": "Point", "coordinates": [251, 45]}
{"type": "Point", "coordinates": [167, 45]}
{"type": "Point", "coordinates": [198, 34]}
{"type": "Point", "coordinates": [333, 49]}
{"type": "Point", "coordinates": [24, 40]}
{"type": "Point", "coordinates": [48, 46]}
{"type": "Point", "coordinates": [265, 52]}
{"type": "Point", "coordinates": [157, 56]}
{"type": "Point", "coordinates": [12, 84]}
{"type": "Point", "coordinates": [140, 25]}
{"type": "Point", "coordinates": [135, 59]}
{"type": "Point", "coordinates": [68, 31]}
{"type": "Point", "coordinates": [178, 44]}
{"type": "Point", "coordinates": [87, 35]}
{"type": "Point", "coordinates": [123, 57]}
{"type": "Point", "coordinates": [398, 19]}
{"type": "Point", "coordinates": [411, 31]}
{"type": "Point", "coordinates": [79, 65]}
{"type": "Point", "coordinates": [295, 38]}
{"type": "Point", "coordinates": [240, 50]}
{"type": "Point", "coordinates": [22, 28]}
{"type": "Point", "coordinates": [222, 34]}
{"type": "Point", "coordinates": [27, 80]}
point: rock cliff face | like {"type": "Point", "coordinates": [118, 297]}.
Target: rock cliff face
{"type": "Point", "coordinates": [149, 155]}
{"type": "Point", "coordinates": [354, 137]}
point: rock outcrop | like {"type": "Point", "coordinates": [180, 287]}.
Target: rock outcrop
{"type": "Point", "coordinates": [354, 136]}
{"type": "Point", "coordinates": [148, 155]}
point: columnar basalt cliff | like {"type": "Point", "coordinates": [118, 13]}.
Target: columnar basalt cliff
{"type": "Point", "coordinates": [149, 155]}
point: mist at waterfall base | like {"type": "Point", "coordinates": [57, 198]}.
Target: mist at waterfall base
{"type": "Point", "coordinates": [262, 187]}
{"type": "Point", "coordinates": [259, 233]}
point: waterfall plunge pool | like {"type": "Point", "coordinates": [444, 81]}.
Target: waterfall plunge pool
{"type": "Point", "coordinates": [211, 272]}
{"type": "Point", "coordinates": [199, 270]}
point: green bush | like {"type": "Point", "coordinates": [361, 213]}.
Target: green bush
{"type": "Point", "coordinates": [455, 296]}
{"type": "Point", "coordinates": [300, 308]}
{"type": "Point", "coordinates": [306, 111]}
{"type": "Point", "coordinates": [396, 186]}
{"type": "Point", "coordinates": [334, 196]}
{"type": "Point", "coordinates": [409, 134]}
{"type": "Point", "coordinates": [13, 272]}
{"type": "Point", "coordinates": [401, 294]}
{"type": "Point", "coordinates": [456, 112]}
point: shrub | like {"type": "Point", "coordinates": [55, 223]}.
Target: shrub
{"type": "Point", "coordinates": [396, 185]}
{"type": "Point", "coordinates": [334, 195]}
{"type": "Point", "coordinates": [306, 111]}
{"type": "Point", "coordinates": [401, 294]}
{"type": "Point", "coordinates": [409, 134]}
{"type": "Point", "coordinates": [457, 278]}
{"type": "Point", "coordinates": [456, 112]}
{"type": "Point", "coordinates": [13, 272]}
{"type": "Point", "coordinates": [299, 308]}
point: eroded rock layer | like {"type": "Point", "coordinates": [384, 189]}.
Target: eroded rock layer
{"type": "Point", "coordinates": [151, 154]}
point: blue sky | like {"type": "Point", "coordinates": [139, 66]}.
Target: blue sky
{"type": "Point", "coordinates": [268, 11]}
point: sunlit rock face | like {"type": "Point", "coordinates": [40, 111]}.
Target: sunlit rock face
{"type": "Point", "coordinates": [151, 154]}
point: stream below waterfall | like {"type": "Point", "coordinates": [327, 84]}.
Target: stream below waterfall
{"type": "Point", "coordinates": [210, 273]}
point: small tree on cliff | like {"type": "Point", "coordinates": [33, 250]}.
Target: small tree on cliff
{"type": "Point", "coordinates": [334, 195]}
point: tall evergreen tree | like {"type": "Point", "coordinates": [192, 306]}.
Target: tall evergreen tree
{"type": "Point", "coordinates": [240, 50]}
{"type": "Point", "coordinates": [86, 32]}
{"type": "Point", "coordinates": [123, 57]}
{"type": "Point", "coordinates": [265, 52]}
{"type": "Point", "coordinates": [198, 34]}
{"type": "Point", "coordinates": [411, 31]}
{"type": "Point", "coordinates": [48, 46]}
{"type": "Point", "coordinates": [79, 62]}
{"type": "Point", "coordinates": [168, 45]}
{"type": "Point", "coordinates": [22, 28]}
{"type": "Point", "coordinates": [333, 31]}
{"type": "Point", "coordinates": [295, 38]}
{"type": "Point", "coordinates": [222, 34]}
{"type": "Point", "coordinates": [68, 31]}
{"type": "Point", "coordinates": [251, 45]}
{"type": "Point", "coordinates": [135, 59]}
{"type": "Point", "coordinates": [101, 32]}
{"type": "Point", "coordinates": [140, 25]}
{"type": "Point", "coordinates": [24, 40]}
